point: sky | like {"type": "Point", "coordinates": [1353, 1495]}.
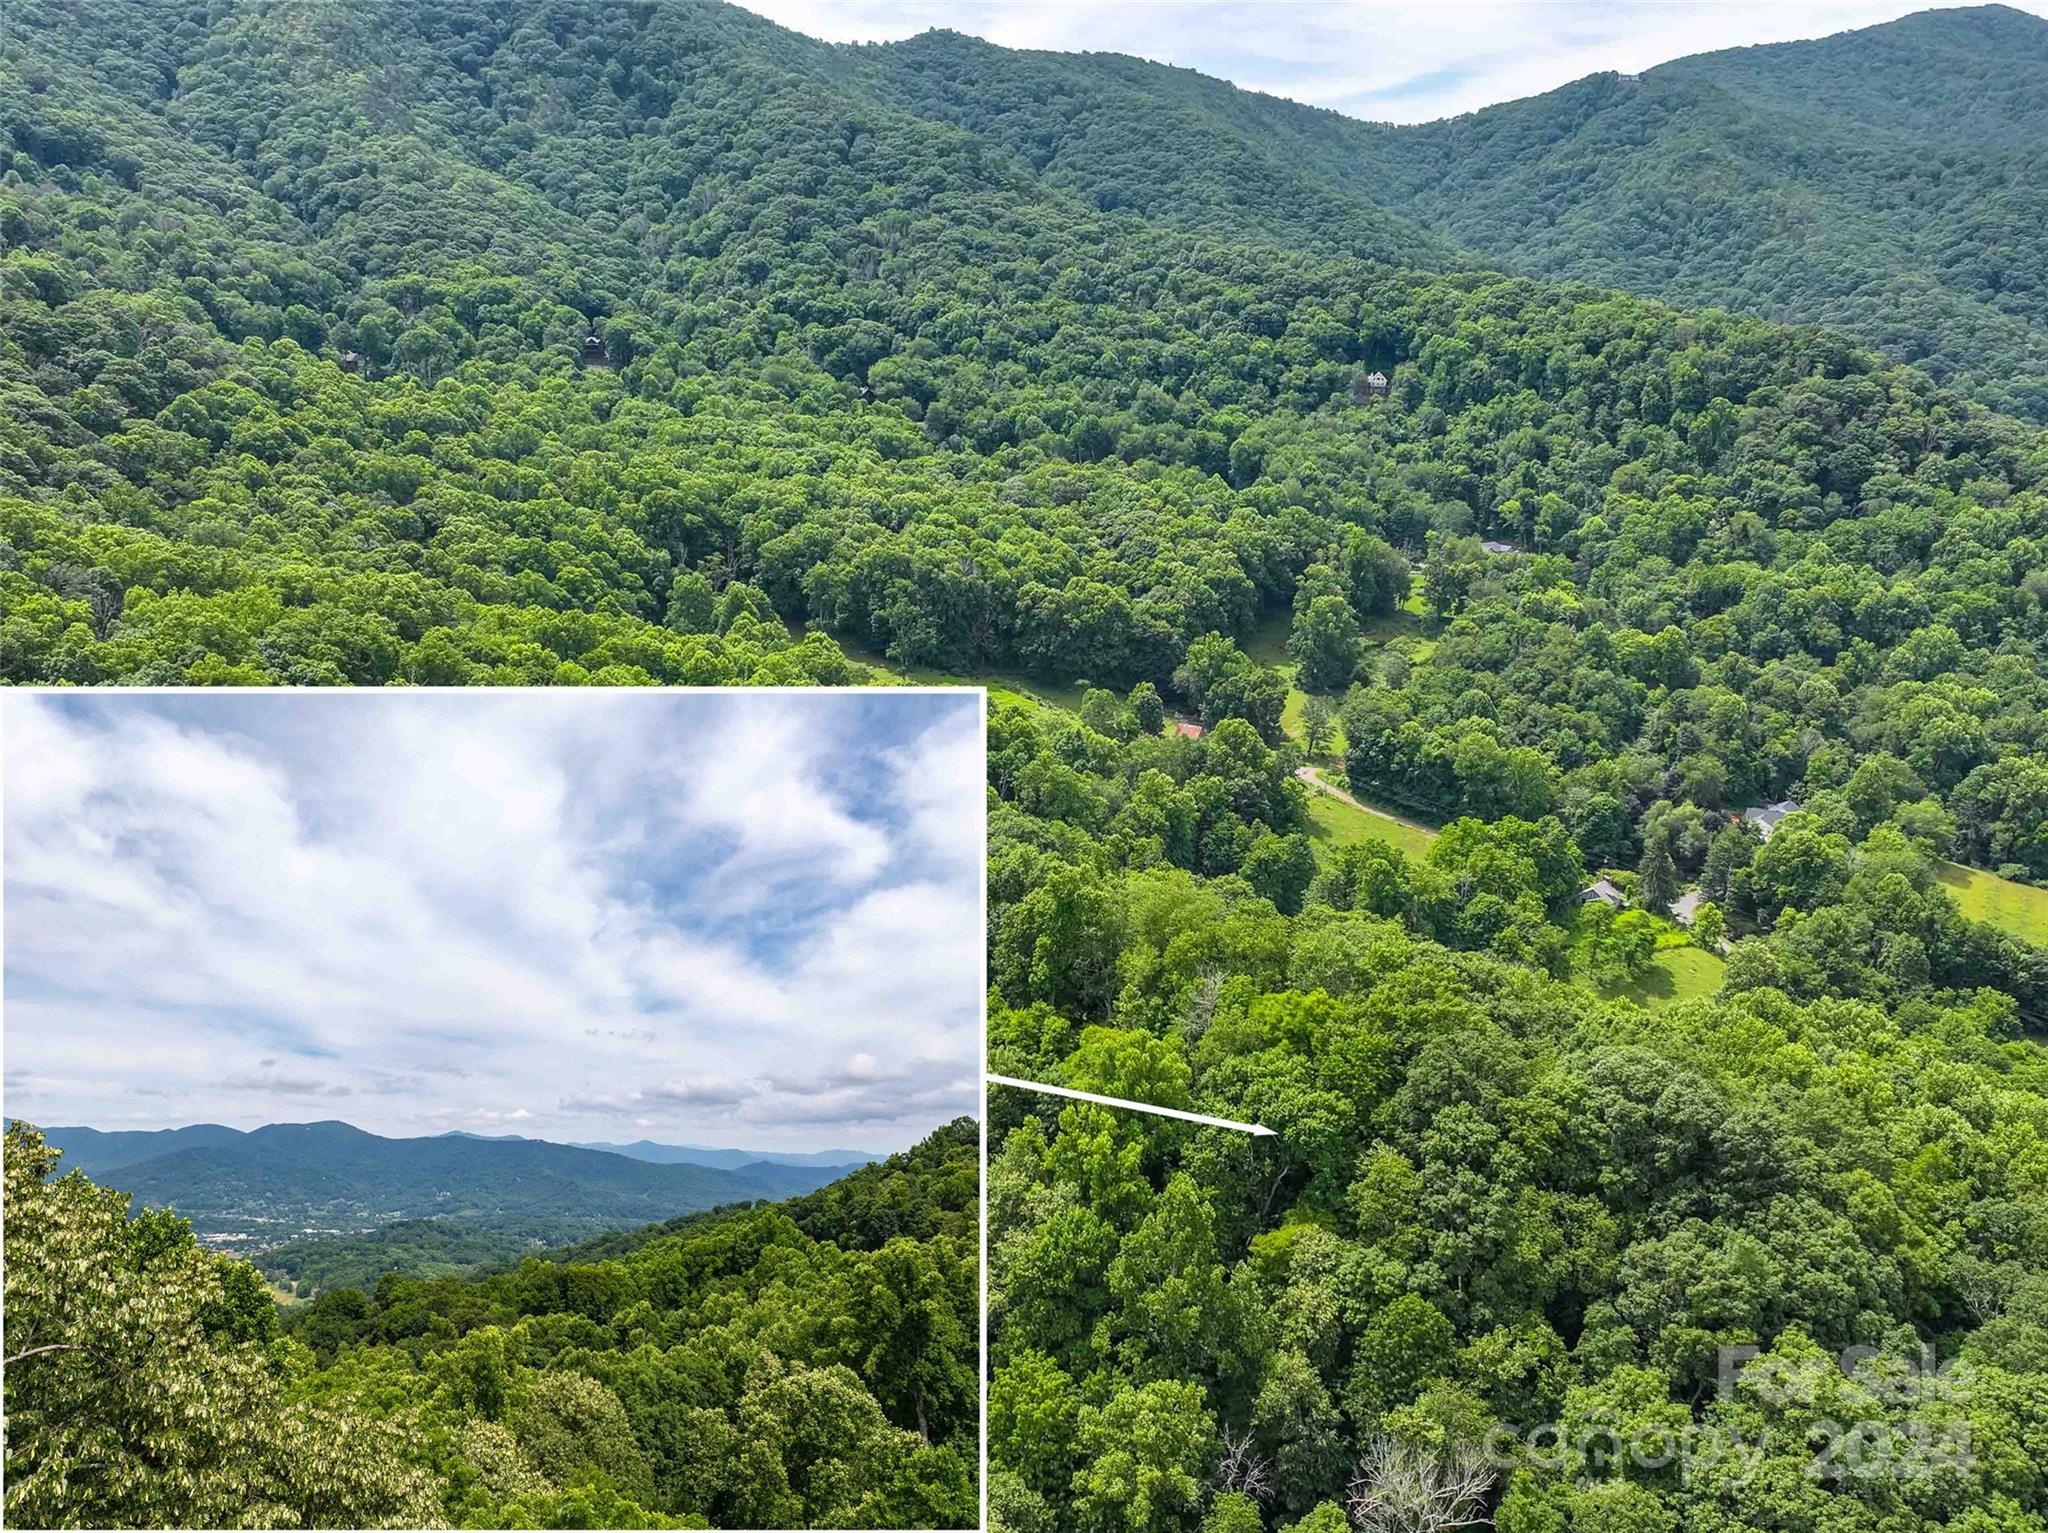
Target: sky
{"type": "Point", "coordinates": [1386, 62]}
{"type": "Point", "coordinates": [719, 919]}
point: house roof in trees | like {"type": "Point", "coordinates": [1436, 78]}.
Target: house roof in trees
{"type": "Point", "coordinates": [1766, 819]}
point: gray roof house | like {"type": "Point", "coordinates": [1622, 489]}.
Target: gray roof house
{"type": "Point", "coordinates": [1766, 819]}
{"type": "Point", "coordinates": [1493, 547]}
{"type": "Point", "coordinates": [1603, 891]}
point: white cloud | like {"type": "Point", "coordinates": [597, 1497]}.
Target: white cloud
{"type": "Point", "coordinates": [1388, 62]}
{"type": "Point", "coordinates": [430, 911]}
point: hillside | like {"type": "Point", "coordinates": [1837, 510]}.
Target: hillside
{"type": "Point", "coordinates": [1891, 183]}
{"type": "Point", "coordinates": [895, 1196]}
{"type": "Point", "coordinates": [98, 1151]}
{"type": "Point", "coordinates": [1093, 440]}
{"type": "Point", "coordinates": [745, 1374]}
{"type": "Point", "coordinates": [288, 1180]}
{"type": "Point", "coordinates": [414, 1248]}
{"type": "Point", "coordinates": [930, 1189]}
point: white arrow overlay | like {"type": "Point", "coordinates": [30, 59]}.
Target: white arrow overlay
{"type": "Point", "coordinates": [1164, 1112]}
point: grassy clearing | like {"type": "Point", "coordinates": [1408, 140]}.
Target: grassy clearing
{"type": "Point", "coordinates": [1268, 643]}
{"type": "Point", "coordinates": [1268, 646]}
{"type": "Point", "coordinates": [1685, 972]}
{"type": "Point", "coordinates": [1681, 971]}
{"type": "Point", "coordinates": [1409, 622]}
{"type": "Point", "coordinates": [1001, 684]}
{"type": "Point", "coordinates": [1334, 823]}
{"type": "Point", "coordinates": [2021, 909]}
{"type": "Point", "coordinates": [1291, 720]}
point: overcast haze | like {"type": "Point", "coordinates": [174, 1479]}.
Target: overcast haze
{"type": "Point", "coordinates": [592, 915]}
{"type": "Point", "coordinates": [1382, 62]}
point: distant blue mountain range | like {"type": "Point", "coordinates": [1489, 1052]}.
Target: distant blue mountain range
{"type": "Point", "coordinates": [698, 1155]}
{"type": "Point", "coordinates": [288, 1180]}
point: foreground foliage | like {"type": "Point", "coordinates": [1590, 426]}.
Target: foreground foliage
{"type": "Point", "coordinates": [147, 1384]}
{"type": "Point", "coordinates": [1510, 1250]}
{"type": "Point", "coordinates": [746, 1373]}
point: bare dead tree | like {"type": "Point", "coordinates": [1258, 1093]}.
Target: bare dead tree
{"type": "Point", "coordinates": [103, 604]}
{"type": "Point", "coordinates": [1985, 1287]}
{"type": "Point", "coordinates": [1403, 1489]}
{"type": "Point", "coordinates": [100, 590]}
{"type": "Point", "coordinates": [1202, 1005]}
{"type": "Point", "coordinates": [1243, 1470]}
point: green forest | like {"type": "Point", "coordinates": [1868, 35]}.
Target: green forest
{"type": "Point", "coordinates": [1506, 1244]}
{"type": "Point", "coordinates": [803, 1364]}
{"type": "Point", "coordinates": [573, 344]}
{"type": "Point", "coordinates": [1891, 183]}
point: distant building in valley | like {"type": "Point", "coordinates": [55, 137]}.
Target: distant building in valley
{"type": "Point", "coordinates": [352, 361]}
{"type": "Point", "coordinates": [1373, 385]}
{"type": "Point", "coordinates": [1601, 892]}
{"type": "Point", "coordinates": [594, 353]}
{"type": "Point", "coordinates": [1186, 730]}
{"type": "Point", "coordinates": [1766, 819]}
{"type": "Point", "coordinates": [1493, 546]}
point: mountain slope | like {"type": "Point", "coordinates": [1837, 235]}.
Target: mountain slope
{"type": "Point", "coordinates": [1891, 183]}
{"type": "Point", "coordinates": [1168, 144]}
{"type": "Point", "coordinates": [748, 1373]}
{"type": "Point", "coordinates": [99, 1151]}
{"type": "Point", "coordinates": [930, 1189]}
{"type": "Point", "coordinates": [289, 1178]}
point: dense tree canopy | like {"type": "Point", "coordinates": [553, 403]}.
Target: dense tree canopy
{"type": "Point", "coordinates": [786, 1365]}
{"type": "Point", "coordinates": [1510, 1252]}
{"type": "Point", "coordinates": [1886, 182]}
{"type": "Point", "coordinates": [1753, 558]}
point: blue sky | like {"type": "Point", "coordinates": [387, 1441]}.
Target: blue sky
{"type": "Point", "coordinates": [1385, 62]}
{"type": "Point", "coordinates": [718, 918]}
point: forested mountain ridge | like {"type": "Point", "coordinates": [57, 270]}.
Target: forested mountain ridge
{"type": "Point", "coordinates": [1886, 182]}
{"type": "Point", "coordinates": [98, 1151]}
{"type": "Point", "coordinates": [281, 1181]}
{"type": "Point", "coordinates": [1168, 144]}
{"type": "Point", "coordinates": [747, 1374]}
{"type": "Point", "coordinates": [930, 1189]}
{"type": "Point", "coordinates": [95, 1151]}
{"type": "Point", "coordinates": [1092, 441]}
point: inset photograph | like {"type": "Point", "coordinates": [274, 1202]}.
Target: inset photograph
{"type": "Point", "coordinates": [513, 1109]}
